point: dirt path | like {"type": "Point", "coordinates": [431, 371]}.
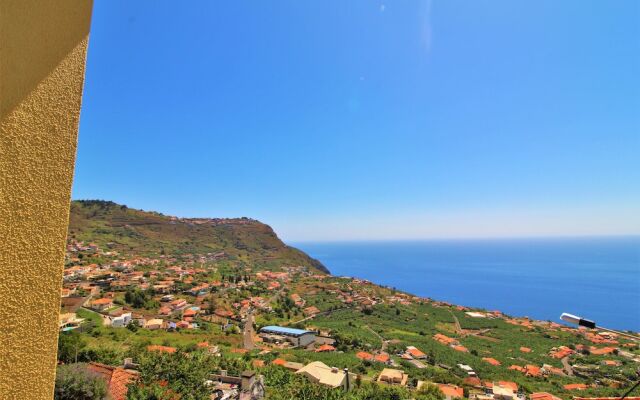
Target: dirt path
{"type": "Point", "coordinates": [457, 323]}
{"type": "Point", "coordinates": [384, 342]}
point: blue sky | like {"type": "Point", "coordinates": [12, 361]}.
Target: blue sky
{"type": "Point", "coordinates": [334, 120]}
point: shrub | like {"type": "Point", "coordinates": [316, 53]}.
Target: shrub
{"type": "Point", "coordinates": [75, 382]}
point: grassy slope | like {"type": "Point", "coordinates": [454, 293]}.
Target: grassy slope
{"type": "Point", "coordinates": [130, 231]}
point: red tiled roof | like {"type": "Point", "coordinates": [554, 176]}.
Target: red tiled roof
{"type": "Point", "coordinates": [116, 378]}
{"type": "Point", "coordinates": [472, 381]}
{"type": "Point", "coordinates": [363, 355]}
{"type": "Point", "coordinates": [103, 300]}
{"type": "Point", "coordinates": [382, 357]}
{"type": "Point", "coordinates": [278, 361]}
{"type": "Point", "coordinates": [415, 352]}
{"type": "Point", "coordinates": [443, 339]}
{"type": "Point", "coordinates": [451, 390]}
{"type": "Point", "coordinates": [562, 352]}
{"type": "Point", "coordinates": [532, 370]}
{"type": "Point", "coordinates": [543, 396]}
{"type": "Point", "coordinates": [491, 361]}
{"type": "Point", "coordinates": [325, 347]}
{"type": "Point", "coordinates": [189, 312]}
{"type": "Point", "coordinates": [575, 386]}
{"type": "Point", "coordinates": [604, 350]}
{"type": "Point", "coordinates": [525, 349]}
{"type": "Point", "coordinates": [510, 385]}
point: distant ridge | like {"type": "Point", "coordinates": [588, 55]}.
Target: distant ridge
{"type": "Point", "coordinates": [127, 230]}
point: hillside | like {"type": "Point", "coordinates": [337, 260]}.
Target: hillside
{"type": "Point", "coordinates": [129, 231]}
{"type": "Point", "coordinates": [134, 281]}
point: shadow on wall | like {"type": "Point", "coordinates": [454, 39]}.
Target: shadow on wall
{"type": "Point", "coordinates": [49, 29]}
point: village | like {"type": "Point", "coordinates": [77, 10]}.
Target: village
{"type": "Point", "coordinates": [336, 332]}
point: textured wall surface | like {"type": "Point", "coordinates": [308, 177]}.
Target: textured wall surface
{"type": "Point", "coordinates": [43, 48]}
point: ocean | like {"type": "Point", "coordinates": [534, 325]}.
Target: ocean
{"type": "Point", "coordinates": [595, 278]}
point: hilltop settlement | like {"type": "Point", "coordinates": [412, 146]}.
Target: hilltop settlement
{"type": "Point", "coordinates": [160, 307]}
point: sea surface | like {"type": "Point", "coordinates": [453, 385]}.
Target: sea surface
{"type": "Point", "coordinates": [596, 278]}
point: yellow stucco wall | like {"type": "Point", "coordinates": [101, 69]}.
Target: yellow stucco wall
{"type": "Point", "coordinates": [43, 47]}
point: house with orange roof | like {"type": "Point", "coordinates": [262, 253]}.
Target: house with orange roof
{"type": "Point", "coordinates": [550, 369]}
{"type": "Point", "coordinates": [472, 381]}
{"type": "Point", "coordinates": [364, 356]}
{"type": "Point", "coordinates": [189, 312]}
{"type": "Point", "coordinates": [223, 313]}
{"type": "Point", "coordinates": [575, 386]}
{"type": "Point", "coordinates": [508, 384]}
{"type": "Point", "coordinates": [451, 391]}
{"type": "Point", "coordinates": [442, 339]}
{"type": "Point", "coordinates": [102, 304]}
{"type": "Point", "coordinates": [178, 304]}
{"type": "Point", "coordinates": [517, 368]}
{"type": "Point", "coordinates": [561, 352]}
{"type": "Point", "coordinates": [279, 361]}
{"type": "Point", "coordinates": [491, 361]}
{"type": "Point", "coordinates": [117, 379]}
{"type": "Point", "coordinates": [525, 349]}
{"type": "Point", "coordinates": [382, 358]}
{"type": "Point", "coordinates": [602, 351]}
{"type": "Point", "coordinates": [325, 348]}
{"type": "Point", "coordinates": [415, 353]}
{"type": "Point", "coordinates": [461, 349]}
{"type": "Point", "coordinates": [543, 396]}
{"type": "Point", "coordinates": [312, 310]}
{"type": "Point", "coordinates": [532, 370]}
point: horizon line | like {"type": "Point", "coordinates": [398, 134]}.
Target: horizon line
{"type": "Point", "coordinates": [474, 238]}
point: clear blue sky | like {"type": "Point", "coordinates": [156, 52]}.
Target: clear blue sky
{"type": "Point", "coordinates": [368, 120]}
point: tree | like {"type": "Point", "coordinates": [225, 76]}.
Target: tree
{"type": "Point", "coordinates": [75, 382]}
{"type": "Point", "coordinates": [133, 326]}
{"type": "Point", "coordinates": [430, 391]}
{"type": "Point", "coordinates": [185, 374]}
{"type": "Point", "coordinates": [212, 305]}
{"type": "Point", "coordinates": [149, 392]}
{"type": "Point", "coordinates": [70, 344]}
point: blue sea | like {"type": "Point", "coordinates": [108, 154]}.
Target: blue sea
{"type": "Point", "coordinates": [596, 278]}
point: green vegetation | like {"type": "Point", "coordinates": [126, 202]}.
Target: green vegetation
{"type": "Point", "coordinates": [75, 382]}
{"type": "Point", "coordinates": [126, 230]}
{"type": "Point", "coordinates": [225, 270]}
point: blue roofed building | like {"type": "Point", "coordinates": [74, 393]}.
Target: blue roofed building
{"type": "Point", "coordinates": [283, 335]}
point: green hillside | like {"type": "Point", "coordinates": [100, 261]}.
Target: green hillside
{"type": "Point", "coordinates": [129, 231]}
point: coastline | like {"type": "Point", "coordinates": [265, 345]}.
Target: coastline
{"type": "Point", "coordinates": [538, 278]}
